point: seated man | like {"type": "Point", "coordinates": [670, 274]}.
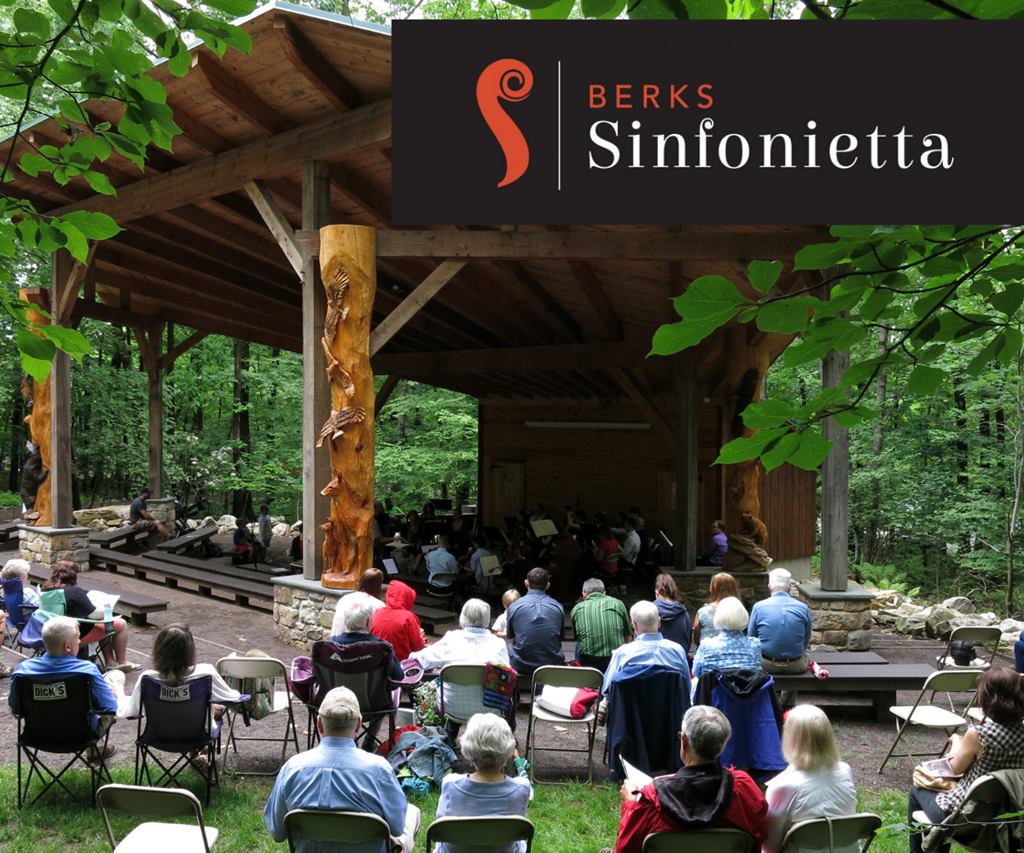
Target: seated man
{"type": "Point", "coordinates": [139, 517]}
{"type": "Point", "coordinates": [358, 619]}
{"type": "Point", "coordinates": [61, 639]}
{"type": "Point", "coordinates": [441, 561]}
{"type": "Point", "coordinates": [336, 775]}
{"type": "Point", "coordinates": [783, 625]}
{"type": "Point", "coordinates": [246, 544]}
{"type": "Point", "coordinates": [702, 795]}
{"type": "Point", "coordinates": [535, 627]}
{"type": "Point", "coordinates": [601, 625]}
{"type": "Point", "coordinates": [649, 647]}
{"type": "Point", "coordinates": [718, 547]}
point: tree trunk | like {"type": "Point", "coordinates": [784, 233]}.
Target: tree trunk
{"type": "Point", "coordinates": [877, 445]}
{"type": "Point", "coordinates": [241, 500]}
{"type": "Point", "coordinates": [960, 400]}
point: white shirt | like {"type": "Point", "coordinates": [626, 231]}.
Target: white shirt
{"type": "Point", "coordinates": [795, 795]}
{"type": "Point", "coordinates": [130, 706]}
{"type": "Point", "coordinates": [338, 626]}
{"type": "Point", "coordinates": [631, 546]}
{"type": "Point", "coordinates": [468, 645]}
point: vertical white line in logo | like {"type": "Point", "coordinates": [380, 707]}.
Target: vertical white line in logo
{"type": "Point", "coordinates": [559, 125]}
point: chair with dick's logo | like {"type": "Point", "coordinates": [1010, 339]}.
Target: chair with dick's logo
{"type": "Point", "coordinates": [57, 717]}
{"type": "Point", "coordinates": [176, 719]}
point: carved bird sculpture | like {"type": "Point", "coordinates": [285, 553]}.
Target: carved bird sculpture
{"type": "Point", "coordinates": [340, 418]}
{"type": "Point", "coordinates": [337, 373]}
{"type": "Point", "coordinates": [336, 313]}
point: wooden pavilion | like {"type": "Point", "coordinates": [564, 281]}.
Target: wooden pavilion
{"type": "Point", "coordinates": [548, 326]}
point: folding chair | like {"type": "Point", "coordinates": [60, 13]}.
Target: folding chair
{"type": "Point", "coordinates": [252, 676]}
{"type": "Point", "coordinates": [705, 840]}
{"type": "Point", "coordinates": [464, 703]}
{"type": "Point", "coordinates": [477, 832]}
{"type": "Point", "coordinates": [53, 603]}
{"type": "Point", "coordinates": [930, 716]}
{"type": "Point", "coordinates": [829, 833]}
{"type": "Point", "coordinates": [56, 717]}
{"type": "Point", "coordinates": [155, 837]}
{"type": "Point", "coordinates": [971, 634]}
{"type": "Point", "coordinates": [445, 593]}
{"type": "Point", "coordinates": [18, 612]}
{"type": "Point", "coordinates": [176, 719]}
{"type": "Point", "coordinates": [327, 825]}
{"type": "Point", "coordinates": [563, 676]}
{"type": "Point", "coordinates": [976, 824]}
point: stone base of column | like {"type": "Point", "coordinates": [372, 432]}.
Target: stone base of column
{"type": "Point", "coordinates": [839, 619]}
{"type": "Point", "coordinates": [47, 546]}
{"type": "Point", "coordinates": [695, 587]}
{"type": "Point", "coordinates": [162, 509]}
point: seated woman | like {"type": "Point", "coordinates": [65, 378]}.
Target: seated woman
{"type": "Point", "coordinates": [676, 624]}
{"type": "Point", "coordinates": [396, 622]}
{"type": "Point", "coordinates": [723, 585]}
{"type": "Point", "coordinates": [995, 744]}
{"type": "Point", "coordinates": [78, 606]}
{"type": "Point", "coordinates": [815, 784]}
{"type": "Point", "coordinates": [368, 591]}
{"type": "Point", "coordinates": [488, 743]}
{"type": "Point", "coordinates": [473, 644]}
{"type": "Point", "coordinates": [18, 568]}
{"type": "Point", "coordinates": [731, 648]}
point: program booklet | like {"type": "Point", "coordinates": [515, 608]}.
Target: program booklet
{"type": "Point", "coordinates": [940, 767]}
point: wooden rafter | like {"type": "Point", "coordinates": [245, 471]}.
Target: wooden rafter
{"type": "Point", "coordinates": [314, 66]}
{"type": "Point", "coordinates": [413, 303]}
{"type": "Point", "coordinates": [647, 406]}
{"type": "Point", "coordinates": [236, 96]}
{"type": "Point", "coordinates": [179, 349]}
{"type": "Point", "coordinates": [537, 290]}
{"type": "Point", "coordinates": [279, 226]}
{"type": "Point", "coordinates": [110, 314]}
{"type": "Point", "coordinates": [376, 204]}
{"type": "Point", "coordinates": [69, 293]}
{"type": "Point", "coordinates": [385, 392]}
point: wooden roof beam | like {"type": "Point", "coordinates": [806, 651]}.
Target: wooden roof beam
{"type": "Point", "coordinates": [279, 226]}
{"type": "Point", "coordinates": [550, 304]}
{"type": "Point", "coordinates": [237, 96]}
{"type": "Point", "coordinates": [587, 279]}
{"type": "Point", "coordinates": [385, 392]}
{"type": "Point", "coordinates": [62, 312]}
{"type": "Point", "coordinates": [377, 205]}
{"type": "Point", "coordinates": [178, 350]}
{"type": "Point", "coordinates": [223, 230]}
{"type": "Point", "coordinates": [314, 66]}
{"type": "Point", "coordinates": [645, 404]}
{"type": "Point", "coordinates": [83, 308]}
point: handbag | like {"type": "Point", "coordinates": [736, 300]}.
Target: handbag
{"type": "Point", "coordinates": [962, 652]}
{"type": "Point", "coordinates": [927, 780]}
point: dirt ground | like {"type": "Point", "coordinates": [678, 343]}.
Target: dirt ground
{"type": "Point", "coordinates": [221, 627]}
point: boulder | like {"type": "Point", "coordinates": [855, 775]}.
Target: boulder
{"type": "Point", "coordinates": [209, 521]}
{"type": "Point", "coordinates": [1007, 642]}
{"type": "Point", "coordinates": [960, 603]}
{"type": "Point", "coordinates": [226, 525]}
{"type": "Point", "coordinates": [915, 624]}
{"type": "Point", "coordinates": [940, 621]}
{"type": "Point", "coordinates": [280, 529]}
{"type": "Point", "coordinates": [983, 620]}
{"type": "Point", "coordinates": [1011, 626]}
{"type": "Point", "coordinates": [86, 517]}
{"type": "Point", "coordinates": [97, 524]}
{"type": "Point", "coordinates": [887, 599]}
{"type": "Point", "coordinates": [886, 617]}
{"type": "Point", "coordinates": [295, 529]}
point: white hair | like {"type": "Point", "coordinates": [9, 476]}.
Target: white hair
{"type": "Point", "coordinates": [731, 615]}
{"type": "Point", "coordinates": [339, 710]}
{"type": "Point", "coordinates": [779, 580]}
{"type": "Point", "coordinates": [476, 613]}
{"type": "Point", "coordinates": [592, 585]}
{"type": "Point", "coordinates": [488, 741]}
{"type": "Point", "coordinates": [359, 616]}
{"type": "Point", "coordinates": [644, 614]}
{"type": "Point", "coordinates": [16, 568]}
{"type": "Point", "coordinates": [707, 729]}
{"type": "Point", "coordinates": [58, 631]}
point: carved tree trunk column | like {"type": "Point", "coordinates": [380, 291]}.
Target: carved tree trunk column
{"type": "Point", "coordinates": [39, 425]}
{"type": "Point", "coordinates": [348, 267]}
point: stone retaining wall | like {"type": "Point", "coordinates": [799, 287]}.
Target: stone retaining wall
{"type": "Point", "coordinates": [838, 619]}
{"type": "Point", "coordinates": [47, 546]}
{"type": "Point", "coordinates": [303, 611]}
{"type": "Point", "coordinates": [695, 586]}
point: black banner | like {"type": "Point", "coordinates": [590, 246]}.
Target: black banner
{"type": "Point", "coordinates": [644, 122]}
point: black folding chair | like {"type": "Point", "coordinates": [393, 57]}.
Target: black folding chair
{"type": "Point", "coordinates": [56, 717]}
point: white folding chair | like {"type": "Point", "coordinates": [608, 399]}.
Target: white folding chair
{"type": "Point", "coordinates": [706, 841]}
{"type": "Point", "coordinates": [156, 837]}
{"type": "Point", "coordinates": [829, 833]}
{"type": "Point", "coordinates": [976, 824]}
{"type": "Point", "coordinates": [563, 676]}
{"type": "Point", "coordinates": [476, 832]}
{"type": "Point", "coordinates": [972, 634]}
{"type": "Point", "coordinates": [337, 827]}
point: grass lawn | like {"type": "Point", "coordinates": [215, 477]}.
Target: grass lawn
{"type": "Point", "coordinates": [571, 818]}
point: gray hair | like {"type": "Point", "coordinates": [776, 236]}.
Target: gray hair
{"type": "Point", "coordinates": [779, 580]}
{"type": "Point", "coordinates": [731, 615]}
{"type": "Point", "coordinates": [707, 729]}
{"type": "Point", "coordinates": [359, 616]}
{"type": "Point", "coordinates": [476, 613]}
{"type": "Point", "coordinates": [16, 568]}
{"type": "Point", "coordinates": [592, 585]}
{"type": "Point", "coordinates": [340, 711]}
{"type": "Point", "coordinates": [488, 741]}
{"type": "Point", "coordinates": [645, 616]}
{"type": "Point", "coordinates": [58, 631]}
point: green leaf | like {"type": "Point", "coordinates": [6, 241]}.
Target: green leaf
{"type": "Point", "coordinates": [1009, 299]}
{"type": "Point", "coordinates": [786, 316]}
{"type": "Point", "coordinates": [34, 346]}
{"type": "Point", "coordinates": [37, 368]}
{"type": "Point", "coordinates": [925, 380]}
{"type": "Point", "coordinates": [982, 359]}
{"type": "Point", "coordinates": [785, 447]}
{"type": "Point", "coordinates": [99, 182]}
{"type": "Point", "coordinates": [942, 265]}
{"type": "Point", "coordinates": [1007, 272]}
{"type": "Point", "coordinates": [596, 8]}
{"type": "Point", "coordinates": [76, 242]}
{"type": "Point", "coordinates": [95, 226]}
{"type": "Point", "coordinates": [64, 9]}
{"type": "Point", "coordinates": [821, 256]}
{"type": "Point", "coordinates": [1014, 341]}
{"type": "Point", "coordinates": [709, 302]}
{"type": "Point", "coordinates": [532, 4]}
{"type": "Point", "coordinates": [706, 10]}
{"type": "Point", "coordinates": [180, 61]}
{"type": "Point", "coordinates": [557, 11]}
{"type": "Point", "coordinates": [768, 414]}
{"type": "Point", "coordinates": [875, 304]}
{"type": "Point", "coordinates": [71, 341]}
{"type": "Point", "coordinates": [764, 274]}
{"type": "Point", "coordinates": [658, 10]}
{"type": "Point", "coordinates": [742, 449]}
{"type": "Point", "coordinates": [850, 418]}
{"type": "Point", "coordinates": [812, 451]}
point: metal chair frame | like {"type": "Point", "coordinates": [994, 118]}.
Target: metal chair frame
{"type": "Point", "coordinates": [808, 834]}
{"type": "Point", "coordinates": [492, 831]}
{"type": "Point", "coordinates": [332, 825]}
{"type": "Point", "coordinates": [155, 802]}
{"type": "Point", "coordinates": [563, 676]}
{"type": "Point", "coordinates": [719, 840]}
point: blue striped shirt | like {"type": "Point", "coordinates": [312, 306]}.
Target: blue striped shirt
{"type": "Point", "coordinates": [729, 650]}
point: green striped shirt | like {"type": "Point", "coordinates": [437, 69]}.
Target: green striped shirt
{"type": "Point", "coordinates": [601, 625]}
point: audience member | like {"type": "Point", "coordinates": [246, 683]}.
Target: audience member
{"type": "Point", "coordinates": [1018, 653]}
{"type": "Point", "coordinates": [474, 643]}
{"type": "Point", "coordinates": [489, 744]}
{"type": "Point", "coordinates": [18, 568]}
{"type": "Point", "coordinates": [607, 546]}
{"type": "Point", "coordinates": [995, 744]}
{"type": "Point", "coordinates": [265, 525]}
{"type": "Point", "coordinates": [648, 647]}
{"type": "Point", "coordinates": [368, 592]}
{"type": "Point", "coordinates": [718, 547]}
{"type": "Point", "coordinates": [245, 543]}
{"type": "Point", "coordinates": [337, 775]}
{"type": "Point", "coordinates": [731, 648]}
{"type": "Point", "coordinates": [396, 623]}
{"type": "Point", "coordinates": [600, 624]}
{"type": "Point", "coordinates": [439, 561]}
{"type": "Point", "coordinates": [631, 544]}
{"type": "Point", "coordinates": [78, 606]}
{"type": "Point", "coordinates": [702, 795]}
{"type": "Point", "coordinates": [61, 640]}
{"type": "Point", "coordinates": [536, 625]}
{"type": "Point", "coordinates": [500, 625]}
{"type": "Point", "coordinates": [676, 624]}
{"type": "Point", "coordinates": [139, 517]}
{"type": "Point", "coordinates": [815, 784]}
{"type": "Point", "coordinates": [723, 585]}
{"type": "Point", "coordinates": [783, 625]}
{"type": "Point", "coordinates": [480, 550]}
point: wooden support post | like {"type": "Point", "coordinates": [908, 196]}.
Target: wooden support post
{"type": "Point", "coordinates": [348, 264]}
{"type": "Point", "coordinates": [686, 468]}
{"type": "Point", "coordinates": [385, 392]}
{"type": "Point", "coordinates": [835, 484]}
{"type": "Point", "coordinates": [61, 266]}
{"type": "Point", "coordinates": [316, 405]}
{"type": "Point", "coordinates": [155, 377]}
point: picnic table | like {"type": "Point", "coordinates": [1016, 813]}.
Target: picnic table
{"type": "Point", "coordinates": [187, 542]}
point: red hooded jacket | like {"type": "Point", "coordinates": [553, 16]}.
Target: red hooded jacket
{"type": "Point", "coordinates": [396, 623]}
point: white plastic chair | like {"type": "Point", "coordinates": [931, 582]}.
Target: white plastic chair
{"type": "Point", "coordinates": [154, 837]}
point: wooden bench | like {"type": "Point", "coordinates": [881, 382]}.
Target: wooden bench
{"type": "Point", "coordinates": [9, 531]}
{"type": "Point", "coordinates": [134, 604]}
{"type": "Point", "coordinates": [118, 537]}
{"type": "Point", "coordinates": [265, 569]}
{"type": "Point", "coordinates": [827, 659]}
{"type": "Point", "coordinates": [241, 572]}
{"type": "Point", "coordinates": [431, 616]}
{"type": "Point", "coordinates": [878, 682]}
{"type": "Point", "coordinates": [208, 577]}
{"type": "Point", "coordinates": [187, 542]}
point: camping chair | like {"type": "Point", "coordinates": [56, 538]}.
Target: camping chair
{"type": "Point", "coordinates": [496, 832]}
{"type": "Point", "coordinates": [53, 603]}
{"type": "Point", "coordinates": [55, 716]}
{"type": "Point", "coordinates": [930, 716]}
{"type": "Point", "coordinates": [705, 840]}
{"type": "Point", "coordinates": [179, 720]}
{"type": "Point", "coordinates": [18, 612]}
{"type": "Point", "coordinates": [157, 837]}
{"type": "Point", "coordinates": [327, 825]}
{"type": "Point", "coordinates": [979, 824]}
{"type": "Point", "coordinates": [576, 677]}
{"type": "Point", "coordinates": [829, 833]}
{"type": "Point", "coordinates": [971, 634]}
{"type": "Point", "coordinates": [257, 677]}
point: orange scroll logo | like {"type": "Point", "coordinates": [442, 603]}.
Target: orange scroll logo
{"type": "Point", "coordinates": [510, 80]}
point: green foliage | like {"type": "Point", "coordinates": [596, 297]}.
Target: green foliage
{"type": "Point", "coordinates": [888, 577]}
{"type": "Point", "coordinates": [10, 499]}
